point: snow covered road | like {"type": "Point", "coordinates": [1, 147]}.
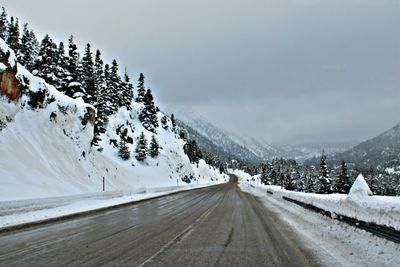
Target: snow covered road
{"type": "Point", "coordinates": [213, 226]}
{"type": "Point", "coordinates": [335, 243]}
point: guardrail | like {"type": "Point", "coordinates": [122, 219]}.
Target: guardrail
{"type": "Point", "coordinates": [383, 231]}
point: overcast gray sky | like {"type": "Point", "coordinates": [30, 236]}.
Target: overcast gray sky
{"type": "Point", "coordinates": [285, 71]}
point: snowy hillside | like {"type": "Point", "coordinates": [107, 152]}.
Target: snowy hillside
{"type": "Point", "coordinates": [248, 148]}
{"type": "Point", "coordinates": [206, 133]}
{"type": "Point", "coordinates": [382, 151]}
{"type": "Point", "coordinates": [45, 144]}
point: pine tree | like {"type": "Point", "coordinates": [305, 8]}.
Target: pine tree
{"type": "Point", "coordinates": [107, 93]}
{"type": "Point", "coordinates": [141, 148]}
{"type": "Point", "coordinates": [73, 60]}
{"type": "Point", "coordinates": [101, 116]}
{"type": "Point", "coordinates": [141, 91]}
{"type": "Point", "coordinates": [127, 92]}
{"type": "Point", "coordinates": [343, 182]}
{"type": "Point", "coordinates": [221, 168]}
{"type": "Point", "coordinates": [372, 180]}
{"type": "Point", "coordinates": [88, 77]}
{"type": "Point", "coordinates": [173, 122]}
{"type": "Point", "coordinates": [148, 115]}
{"type": "Point", "coordinates": [24, 45]}
{"type": "Point", "coordinates": [13, 33]}
{"type": "Point", "coordinates": [3, 24]}
{"type": "Point", "coordinates": [99, 70]}
{"type": "Point", "coordinates": [164, 122]}
{"type": "Point", "coordinates": [123, 150]}
{"type": "Point", "coordinates": [28, 49]}
{"type": "Point", "coordinates": [154, 147]}
{"type": "Point", "coordinates": [193, 152]}
{"type": "Point", "coordinates": [325, 182]}
{"type": "Point", "coordinates": [114, 86]}
{"type": "Point", "coordinates": [46, 63]}
{"type": "Point", "coordinates": [61, 68]}
{"type": "Point", "coordinates": [73, 87]}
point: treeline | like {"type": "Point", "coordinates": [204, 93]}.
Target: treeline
{"type": "Point", "coordinates": [320, 179]}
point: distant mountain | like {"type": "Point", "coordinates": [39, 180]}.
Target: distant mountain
{"type": "Point", "coordinates": [217, 142]}
{"type": "Point", "coordinates": [249, 149]}
{"type": "Point", "coordinates": [311, 150]}
{"type": "Point", "coordinates": [379, 152]}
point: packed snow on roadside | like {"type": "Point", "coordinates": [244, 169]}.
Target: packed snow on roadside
{"type": "Point", "coordinates": [333, 242]}
{"type": "Point", "coordinates": [359, 204]}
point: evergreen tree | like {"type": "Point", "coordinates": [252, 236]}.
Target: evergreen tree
{"type": "Point", "coordinates": [28, 49]}
{"type": "Point", "coordinates": [99, 70]}
{"type": "Point", "coordinates": [325, 182]}
{"type": "Point", "coordinates": [372, 180]}
{"type": "Point", "coordinates": [123, 150]}
{"type": "Point", "coordinates": [46, 63]}
{"type": "Point", "coordinates": [13, 35]}
{"type": "Point", "coordinates": [114, 87]}
{"type": "Point", "coordinates": [173, 122]}
{"type": "Point", "coordinates": [164, 122]}
{"type": "Point", "coordinates": [343, 182]}
{"type": "Point", "coordinates": [73, 87]}
{"type": "Point", "coordinates": [61, 69]}
{"type": "Point", "coordinates": [88, 79]}
{"type": "Point", "coordinates": [107, 93]}
{"type": "Point", "coordinates": [193, 152]}
{"type": "Point", "coordinates": [127, 92]}
{"type": "Point", "coordinates": [73, 60]}
{"type": "Point", "coordinates": [101, 116]}
{"type": "Point", "coordinates": [141, 148]}
{"type": "Point", "coordinates": [221, 168]}
{"type": "Point", "coordinates": [154, 147]}
{"type": "Point", "coordinates": [3, 24]}
{"type": "Point", "coordinates": [141, 90]}
{"type": "Point", "coordinates": [265, 179]}
{"type": "Point", "coordinates": [148, 115]}
{"type": "Point", "coordinates": [274, 177]}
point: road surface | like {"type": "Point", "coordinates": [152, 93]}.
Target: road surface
{"type": "Point", "coordinates": [214, 226]}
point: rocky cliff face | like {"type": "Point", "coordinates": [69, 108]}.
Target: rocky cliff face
{"type": "Point", "coordinates": [9, 84]}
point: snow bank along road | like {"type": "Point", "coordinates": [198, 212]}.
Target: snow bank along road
{"type": "Point", "coordinates": [213, 226]}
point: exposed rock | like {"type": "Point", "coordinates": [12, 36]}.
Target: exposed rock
{"type": "Point", "coordinates": [36, 99]}
{"type": "Point", "coordinates": [90, 116]}
{"type": "Point", "coordinates": [9, 84]}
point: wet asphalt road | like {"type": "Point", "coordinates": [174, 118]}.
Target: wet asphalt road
{"type": "Point", "coordinates": [214, 226]}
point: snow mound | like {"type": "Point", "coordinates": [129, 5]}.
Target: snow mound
{"type": "Point", "coordinates": [360, 188]}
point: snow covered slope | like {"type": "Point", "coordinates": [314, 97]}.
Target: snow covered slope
{"type": "Point", "coordinates": [247, 148]}
{"type": "Point", "coordinates": [381, 152]}
{"type": "Point", "coordinates": [45, 146]}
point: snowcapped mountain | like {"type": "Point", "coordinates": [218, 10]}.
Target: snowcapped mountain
{"type": "Point", "coordinates": [46, 150]}
{"type": "Point", "coordinates": [215, 141]}
{"type": "Point", "coordinates": [379, 152]}
{"type": "Point", "coordinates": [249, 149]}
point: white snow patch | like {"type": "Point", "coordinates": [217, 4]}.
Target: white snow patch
{"type": "Point", "coordinates": [360, 189]}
